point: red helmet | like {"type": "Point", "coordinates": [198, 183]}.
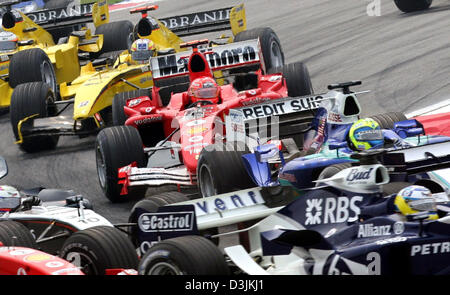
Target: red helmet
{"type": "Point", "coordinates": [204, 89]}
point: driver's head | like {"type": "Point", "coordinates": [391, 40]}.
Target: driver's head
{"type": "Point", "coordinates": [142, 50]}
{"type": "Point", "coordinates": [204, 89]}
{"type": "Point", "coordinates": [365, 134]}
{"type": "Point", "coordinates": [414, 199]}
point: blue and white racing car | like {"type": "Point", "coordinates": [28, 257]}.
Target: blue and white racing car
{"type": "Point", "coordinates": [346, 225]}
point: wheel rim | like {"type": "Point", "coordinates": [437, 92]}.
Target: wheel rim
{"type": "Point", "coordinates": [276, 58]}
{"type": "Point", "coordinates": [83, 262]}
{"type": "Point", "coordinates": [207, 187]}
{"type": "Point", "coordinates": [101, 167]}
{"type": "Point", "coordinates": [164, 268]}
{"type": "Point", "coordinates": [48, 75]}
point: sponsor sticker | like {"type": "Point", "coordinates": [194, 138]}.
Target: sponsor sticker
{"type": "Point", "coordinates": [168, 221]}
{"type": "Point", "coordinates": [282, 107]}
{"type": "Point", "coordinates": [38, 257]}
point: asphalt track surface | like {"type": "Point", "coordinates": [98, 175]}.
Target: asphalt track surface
{"type": "Point", "coordinates": [404, 59]}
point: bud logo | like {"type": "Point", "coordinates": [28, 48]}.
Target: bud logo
{"type": "Point", "coordinates": [334, 210]}
{"type": "Point", "coordinates": [166, 222]}
{"type": "Point", "coordinates": [358, 174]}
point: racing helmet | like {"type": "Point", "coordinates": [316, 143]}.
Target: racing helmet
{"type": "Point", "coordinates": [142, 50]}
{"type": "Point", "coordinates": [8, 41]}
{"type": "Point", "coordinates": [9, 198]}
{"type": "Point", "coordinates": [204, 89]}
{"type": "Point", "coordinates": [365, 134]}
{"type": "Point", "coordinates": [414, 199]}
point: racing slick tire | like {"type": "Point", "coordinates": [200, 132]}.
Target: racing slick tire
{"type": "Point", "coordinates": [151, 204]}
{"type": "Point", "coordinates": [13, 233]}
{"type": "Point", "coordinates": [30, 99]}
{"type": "Point", "coordinates": [270, 46]}
{"type": "Point", "coordinates": [118, 114]}
{"type": "Point", "coordinates": [116, 36]}
{"type": "Point", "coordinates": [117, 147]}
{"type": "Point", "coordinates": [222, 171]}
{"type": "Point", "coordinates": [331, 171]}
{"type": "Point", "coordinates": [387, 120]}
{"type": "Point", "coordinates": [412, 5]}
{"type": "Point", "coordinates": [32, 65]}
{"type": "Point", "coordinates": [188, 255]}
{"type": "Point", "coordinates": [298, 80]}
{"type": "Point", "coordinates": [99, 248]}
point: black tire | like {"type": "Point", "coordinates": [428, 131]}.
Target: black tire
{"type": "Point", "coordinates": [152, 204]}
{"type": "Point", "coordinates": [412, 5]}
{"type": "Point", "coordinates": [387, 120]}
{"type": "Point", "coordinates": [99, 248]}
{"type": "Point", "coordinates": [171, 85]}
{"type": "Point", "coordinates": [298, 80]}
{"type": "Point", "coordinates": [222, 171]}
{"type": "Point", "coordinates": [116, 147]}
{"type": "Point", "coordinates": [16, 234]}
{"type": "Point", "coordinates": [188, 255]}
{"type": "Point", "coordinates": [331, 171]}
{"type": "Point", "coordinates": [32, 65]}
{"type": "Point", "coordinates": [118, 115]}
{"type": "Point", "coordinates": [270, 46]}
{"type": "Point", "coordinates": [29, 99]}
{"type": "Point", "coordinates": [116, 36]}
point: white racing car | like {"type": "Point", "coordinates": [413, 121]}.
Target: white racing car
{"type": "Point", "coordinates": [320, 232]}
{"type": "Point", "coordinates": [63, 223]}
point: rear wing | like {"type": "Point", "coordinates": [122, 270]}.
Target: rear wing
{"type": "Point", "coordinates": [223, 57]}
{"type": "Point", "coordinates": [208, 21]}
{"type": "Point", "coordinates": [273, 119]}
{"type": "Point", "coordinates": [96, 12]}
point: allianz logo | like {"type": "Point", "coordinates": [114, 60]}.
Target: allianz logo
{"type": "Point", "coordinates": [160, 222]}
{"type": "Point", "coordinates": [359, 174]}
{"type": "Point", "coordinates": [371, 230]}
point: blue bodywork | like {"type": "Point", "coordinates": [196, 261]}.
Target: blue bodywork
{"type": "Point", "coordinates": [330, 147]}
{"type": "Point", "coordinates": [361, 233]}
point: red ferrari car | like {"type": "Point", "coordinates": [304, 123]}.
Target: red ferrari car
{"type": "Point", "coordinates": [160, 144]}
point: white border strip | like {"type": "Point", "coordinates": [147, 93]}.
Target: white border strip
{"type": "Point", "coordinates": [441, 107]}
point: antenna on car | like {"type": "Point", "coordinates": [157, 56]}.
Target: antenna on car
{"type": "Point", "coordinates": [345, 86]}
{"type": "Point", "coordinates": [144, 10]}
{"type": "Point", "coordinates": [194, 44]}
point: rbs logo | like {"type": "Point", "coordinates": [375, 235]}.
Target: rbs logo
{"type": "Point", "coordinates": [332, 210]}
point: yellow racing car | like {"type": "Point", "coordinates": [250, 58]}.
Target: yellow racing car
{"type": "Point", "coordinates": [36, 107]}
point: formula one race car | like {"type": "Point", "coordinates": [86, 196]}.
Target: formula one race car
{"type": "Point", "coordinates": [27, 261]}
{"type": "Point", "coordinates": [412, 5]}
{"type": "Point", "coordinates": [174, 135]}
{"type": "Point", "coordinates": [326, 149]}
{"type": "Point", "coordinates": [38, 125]}
{"type": "Point", "coordinates": [350, 225]}
{"type": "Point", "coordinates": [60, 222]}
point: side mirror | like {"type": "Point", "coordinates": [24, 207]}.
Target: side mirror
{"type": "Point", "coordinates": [3, 167]}
{"type": "Point", "coordinates": [265, 152]}
{"type": "Point", "coordinates": [334, 145]}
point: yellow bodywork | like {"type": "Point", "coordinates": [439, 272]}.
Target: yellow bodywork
{"type": "Point", "coordinates": [64, 57]}
{"type": "Point", "coordinates": [93, 89]}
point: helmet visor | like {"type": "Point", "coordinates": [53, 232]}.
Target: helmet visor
{"type": "Point", "coordinates": [8, 45]}
{"type": "Point", "coordinates": [423, 204]}
{"type": "Point", "coordinates": [369, 135]}
{"type": "Point", "coordinates": [210, 92]}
